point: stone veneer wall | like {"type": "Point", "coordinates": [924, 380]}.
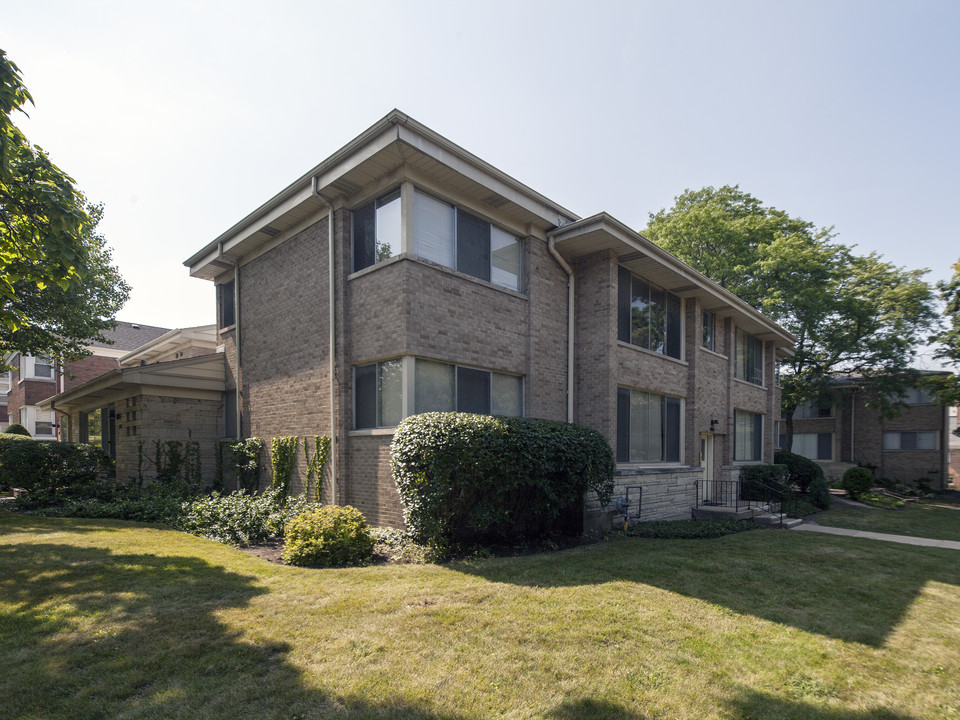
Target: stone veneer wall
{"type": "Point", "coordinates": [668, 494]}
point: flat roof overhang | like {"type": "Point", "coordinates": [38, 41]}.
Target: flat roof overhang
{"type": "Point", "coordinates": [395, 143]}
{"type": "Point", "coordinates": [647, 259]}
{"type": "Point", "coordinates": [206, 373]}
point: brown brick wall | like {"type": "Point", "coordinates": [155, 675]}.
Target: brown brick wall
{"type": "Point", "coordinates": [87, 369]}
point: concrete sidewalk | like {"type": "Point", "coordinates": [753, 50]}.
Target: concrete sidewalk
{"type": "Point", "coordinates": [904, 539]}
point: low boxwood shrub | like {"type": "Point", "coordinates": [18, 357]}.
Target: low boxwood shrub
{"type": "Point", "coordinates": [327, 537]}
{"type": "Point", "coordinates": [820, 493]}
{"type": "Point", "coordinates": [802, 471]}
{"type": "Point", "coordinates": [764, 482]}
{"type": "Point", "coordinates": [883, 502]}
{"type": "Point", "coordinates": [856, 481]}
{"type": "Point", "coordinates": [239, 518]}
{"type": "Point", "coordinates": [17, 429]}
{"type": "Point", "coordinates": [467, 480]}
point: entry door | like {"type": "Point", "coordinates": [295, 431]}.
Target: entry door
{"type": "Point", "coordinates": [706, 462]}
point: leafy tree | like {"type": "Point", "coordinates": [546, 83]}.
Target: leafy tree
{"type": "Point", "coordinates": [58, 290]}
{"type": "Point", "coordinates": [853, 315]}
{"type": "Point", "coordinates": [947, 387]}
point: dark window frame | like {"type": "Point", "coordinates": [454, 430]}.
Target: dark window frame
{"type": "Point", "coordinates": [648, 316]}
{"type": "Point", "coordinates": [671, 427]}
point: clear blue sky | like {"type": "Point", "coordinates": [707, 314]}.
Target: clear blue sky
{"type": "Point", "coordinates": [184, 117]}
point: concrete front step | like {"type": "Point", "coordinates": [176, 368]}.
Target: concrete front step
{"type": "Point", "coordinates": [760, 515]}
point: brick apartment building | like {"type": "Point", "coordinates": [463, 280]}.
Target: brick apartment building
{"type": "Point", "coordinates": [33, 380]}
{"type": "Point", "coordinates": [404, 274]}
{"type": "Point", "coordinates": [843, 433]}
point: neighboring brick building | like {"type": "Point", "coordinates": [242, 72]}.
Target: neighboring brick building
{"type": "Point", "coordinates": [914, 445]}
{"type": "Point", "coordinates": [33, 380]}
{"type": "Point", "coordinates": [170, 388]}
{"type": "Point", "coordinates": [445, 284]}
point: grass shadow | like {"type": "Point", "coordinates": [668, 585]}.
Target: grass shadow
{"type": "Point", "coordinates": [846, 588]}
{"type": "Point", "coordinates": [759, 706]}
{"type": "Point", "coordinates": [18, 522]}
{"type": "Point", "coordinates": [90, 633]}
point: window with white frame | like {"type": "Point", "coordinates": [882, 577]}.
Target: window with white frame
{"type": "Point", "coordinates": [649, 429]}
{"type": "Point", "coordinates": [747, 436]}
{"type": "Point", "coordinates": [815, 446]}
{"type": "Point", "coordinates": [436, 386]}
{"type": "Point", "coordinates": [912, 440]}
{"type": "Point", "coordinates": [442, 233]}
{"type": "Point", "coordinates": [35, 368]}
{"type": "Point", "coordinates": [648, 316]}
{"type": "Point", "coordinates": [749, 361]}
{"type": "Point", "coordinates": [39, 423]}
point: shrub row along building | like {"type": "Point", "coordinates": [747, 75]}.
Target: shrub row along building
{"type": "Point", "coordinates": [405, 275]}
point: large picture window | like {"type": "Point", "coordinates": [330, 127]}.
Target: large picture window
{"type": "Point", "coordinates": [749, 365]}
{"type": "Point", "coordinates": [813, 411]}
{"type": "Point", "coordinates": [911, 440]}
{"type": "Point", "coordinates": [747, 436]}
{"type": "Point", "coordinates": [647, 315]}
{"type": "Point", "coordinates": [815, 446]}
{"type": "Point", "coordinates": [648, 427]}
{"type": "Point", "coordinates": [437, 387]}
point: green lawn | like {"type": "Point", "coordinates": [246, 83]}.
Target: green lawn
{"type": "Point", "coordinates": [926, 518]}
{"type": "Point", "coordinates": [105, 619]}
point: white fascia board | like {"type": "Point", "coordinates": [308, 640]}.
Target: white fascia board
{"type": "Point", "coordinates": [636, 241]}
{"type": "Point", "coordinates": [462, 162]}
{"type": "Point", "coordinates": [107, 352]}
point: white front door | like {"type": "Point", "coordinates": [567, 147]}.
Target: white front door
{"type": "Point", "coordinates": [706, 462]}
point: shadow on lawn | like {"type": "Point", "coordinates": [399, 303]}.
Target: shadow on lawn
{"type": "Point", "coordinates": [136, 635]}
{"type": "Point", "coordinates": [757, 706]}
{"type": "Point", "coordinates": [850, 589]}
{"type": "Point", "coordinates": [95, 634]}
{"type": "Point", "coordinates": [11, 522]}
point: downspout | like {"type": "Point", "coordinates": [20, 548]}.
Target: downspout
{"type": "Point", "coordinates": [331, 302]}
{"type": "Point", "coordinates": [236, 335]}
{"type": "Point", "coordinates": [570, 316]}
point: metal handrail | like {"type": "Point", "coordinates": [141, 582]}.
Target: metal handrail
{"type": "Point", "coordinates": [730, 493]}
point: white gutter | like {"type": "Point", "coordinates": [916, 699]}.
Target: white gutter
{"type": "Point", "coordinates": [570, 319]}
{"type": "Point", "coordinates": [331, 302]}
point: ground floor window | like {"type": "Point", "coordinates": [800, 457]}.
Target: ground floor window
{"type": "Point", "coordinates": [747, 436]}
{"type": "Point", "coordinates": [815, 446]}
{"type": "Point", "coordinates": [912, 440]}
{"type": "Point", "coordinates": [381, 391]}
{"type": "Point", "coordinates": [648, 427]}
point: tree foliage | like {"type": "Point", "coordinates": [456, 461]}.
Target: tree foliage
{"type": "Point", "coordinates": [853, 315]}
{"type": "Point", "coordinates": [947, 387]}
{"type": "Point", "coordinates": [58, 289]}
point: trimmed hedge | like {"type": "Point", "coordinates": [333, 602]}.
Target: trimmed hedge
{"type": "Point", "coordinates": [803, 471]}
{"type": "Point", "coordinates": [52, 470]}
{"type": "Point", "coordinates": [820, 493]}
{"type": "Point", "coordinates": [764, 482]}
{"type": "Point", "coordinates": [327, 537]}
{"type": "Point", "coordinates": [17, 429]}
{"type": "Point", "coordinates": [478, 479]}
{"type": "Point", "coordinates": [857, 481]}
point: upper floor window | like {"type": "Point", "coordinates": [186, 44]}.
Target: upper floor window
{"type": "Point", "coordinates": [648, 427]}
{"type": "Point", "coordinates": [35, 368]}
{"type": "Point", "coordinates": [376, 231]}
{"type": "Point", "coordinates": [916, 396]}
{"type": "Point", "coordinates": [647, 315]}
{"type": "Point", "coordinates": [709, 330]}
{"type": "Point", "coordinates": [813, 411]}
{"type": "Point", "coordinates": [922, 440]}
{"type": "Point", "coordinates": [442, 233]}
{"type": "Point", "coordinates": [749, 365]}
{"type": "Point", "coordinates": [228, 310]}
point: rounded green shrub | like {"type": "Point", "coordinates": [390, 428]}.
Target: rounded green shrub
{"type": "Point", "coordinates": [17, 429]}
{"type": "Point", "coordinates": [820, 493]}
{"type": "Point", "coordinates": [856, 481]}
{"type": "Point", "coordinates": [469, 479]}
{"type": "Point", "coordinates": [803, 471]}
{"type": "Point", "coordinates": [328, 536]}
